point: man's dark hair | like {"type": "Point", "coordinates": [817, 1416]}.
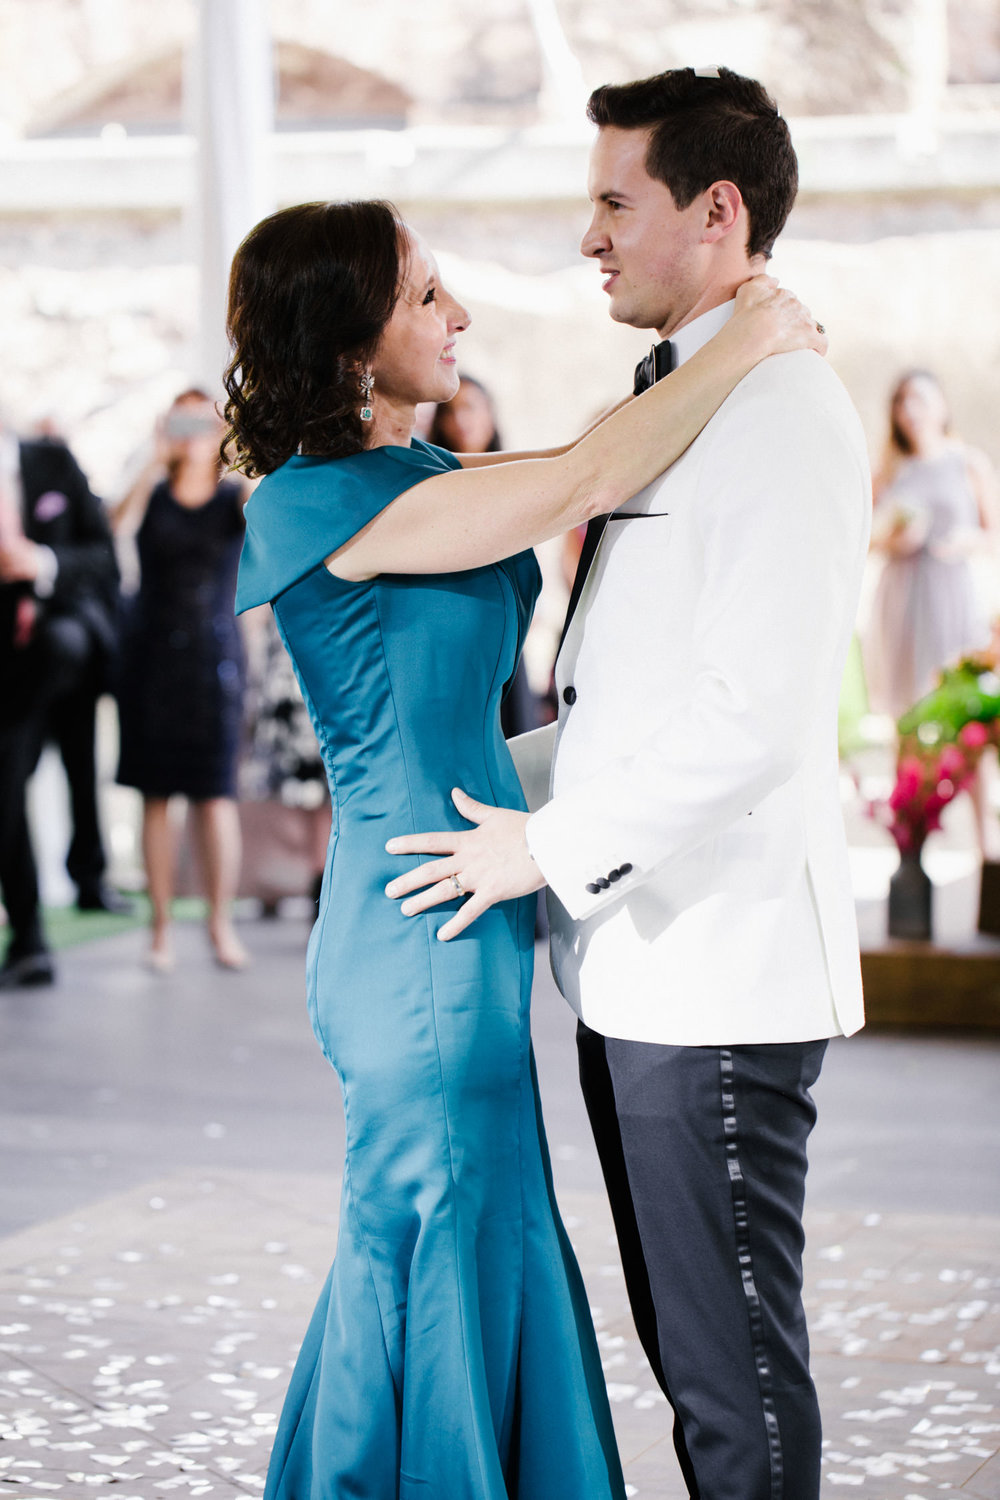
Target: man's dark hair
{"type": "Point", "coordinates": [710, 129]}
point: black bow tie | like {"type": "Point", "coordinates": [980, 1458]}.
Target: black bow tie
{"type": "Point", "coordinates": [658, 362]}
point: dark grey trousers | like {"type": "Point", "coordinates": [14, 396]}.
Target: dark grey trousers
{"type": "Point", "coordinates": [704, 1155]}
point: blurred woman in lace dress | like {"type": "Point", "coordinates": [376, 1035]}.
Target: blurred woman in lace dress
{"type": "Point", "coordinates": [284, 800]}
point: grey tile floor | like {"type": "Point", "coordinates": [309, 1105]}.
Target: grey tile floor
{"type": "Point", "coordinates": [171, 1151]}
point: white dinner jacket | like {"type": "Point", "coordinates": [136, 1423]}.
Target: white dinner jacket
{"type": "Point", "coordinates": [693, 840]}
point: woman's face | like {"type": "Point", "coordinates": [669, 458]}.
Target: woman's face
{"type": "Point", "coordinates": [415, 360]}
{"type": "Point", "coordinates": [466, 421]}
{"type": "Point", "coordinates": [920, 411]}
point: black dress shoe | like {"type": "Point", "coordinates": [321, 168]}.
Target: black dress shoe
{"type": "Point", "coordinates": [103, 897]}
{"type": "Point", "coordinates": [28, 970]}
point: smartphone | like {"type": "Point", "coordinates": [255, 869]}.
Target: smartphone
{"type": "Point", "coordinates": [185, 424]}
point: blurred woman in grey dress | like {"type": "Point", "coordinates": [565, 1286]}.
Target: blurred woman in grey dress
{"type": "Point", "coordinates": [936, 509]}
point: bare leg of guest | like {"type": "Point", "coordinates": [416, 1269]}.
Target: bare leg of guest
{"type": "Point", "coordinates": [217, 824]}
{"type": "Point", "coordinates": [158, 853]}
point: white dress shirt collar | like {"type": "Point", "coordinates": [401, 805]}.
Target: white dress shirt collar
{"type": "Point", "coordinates": [689, 339]}
{"type": "Point", "coordinates": [10, 486]}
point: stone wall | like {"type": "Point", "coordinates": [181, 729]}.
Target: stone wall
{"type": "Point", "coordinates": [485, 61]}
{"type": "Point", "coordinates": [98, 310]}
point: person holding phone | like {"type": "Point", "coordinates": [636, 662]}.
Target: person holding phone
{"type": "Point", "coordinates": [181, 692]}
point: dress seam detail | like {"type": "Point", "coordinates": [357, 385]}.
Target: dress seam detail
{"type": "Point", "coordinates": [437, 1040]}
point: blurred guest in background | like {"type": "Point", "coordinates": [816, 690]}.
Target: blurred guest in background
{"type": "Point", "coordinates": [181, 700]}
{"type": "Point", "coordinates": [468, 424]}
{"type": "Point", "coordinates": [936, 508]}
{"type": "Point", "coordinates": [58, 612]}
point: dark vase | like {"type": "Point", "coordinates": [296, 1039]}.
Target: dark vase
{"type": "Point", "coordinates": [910, 899]}
{"type": "Point", "coordinates": [989, 898]}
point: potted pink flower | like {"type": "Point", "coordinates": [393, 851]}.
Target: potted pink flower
{"type": "Point", "coordinates": [941, 740]}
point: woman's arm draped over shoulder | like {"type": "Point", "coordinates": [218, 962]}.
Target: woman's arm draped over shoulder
{"type": "Point", "coordinates": [507, 455]}
{"type": "Point", "coordinates": [472, 517]}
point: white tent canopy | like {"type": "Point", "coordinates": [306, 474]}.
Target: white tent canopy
{"type": "Point", "coordinates": [231, 102]}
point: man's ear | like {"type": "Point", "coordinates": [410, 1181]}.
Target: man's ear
{"type": "Point", "coordinates": [723, 204]}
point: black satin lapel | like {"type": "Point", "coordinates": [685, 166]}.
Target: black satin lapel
{"type": "Point", "coordinates": [591, 542]}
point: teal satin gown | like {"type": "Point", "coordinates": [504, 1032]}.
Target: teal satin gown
{"type": "Point", "coordinates": [451, 1352]}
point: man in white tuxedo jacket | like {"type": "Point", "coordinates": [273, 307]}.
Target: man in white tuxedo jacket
{"type": "Point", "coordinates": [689, 826]}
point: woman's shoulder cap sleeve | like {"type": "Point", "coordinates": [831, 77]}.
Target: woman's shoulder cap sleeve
{"type": "Point", "coordinates": [309, 507]}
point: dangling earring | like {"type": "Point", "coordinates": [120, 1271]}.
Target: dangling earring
{"type": "Point", "coordinates": [367, 386]}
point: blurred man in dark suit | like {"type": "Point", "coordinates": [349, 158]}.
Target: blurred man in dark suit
{"type": "Point", "coordinates": [58, 610]}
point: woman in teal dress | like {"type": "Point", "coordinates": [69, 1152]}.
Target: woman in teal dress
{"type": "Point", "coordinates": [451, 1352]}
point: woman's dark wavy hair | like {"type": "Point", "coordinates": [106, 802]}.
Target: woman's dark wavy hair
{"type": "Point", "coordinates": [310, 292]}
{"type": "Point", "coordinates": [723, 127]}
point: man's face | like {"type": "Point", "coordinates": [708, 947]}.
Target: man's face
{"type": "Point", "coordinates": [652, 251]}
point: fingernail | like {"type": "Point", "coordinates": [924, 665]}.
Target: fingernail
{"type": "Point", "coordinates": [406, 909]}
{"type": "Point", "coordinates": [390, 847]}
{"type": "Point", "coordinates": [390, 889]}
